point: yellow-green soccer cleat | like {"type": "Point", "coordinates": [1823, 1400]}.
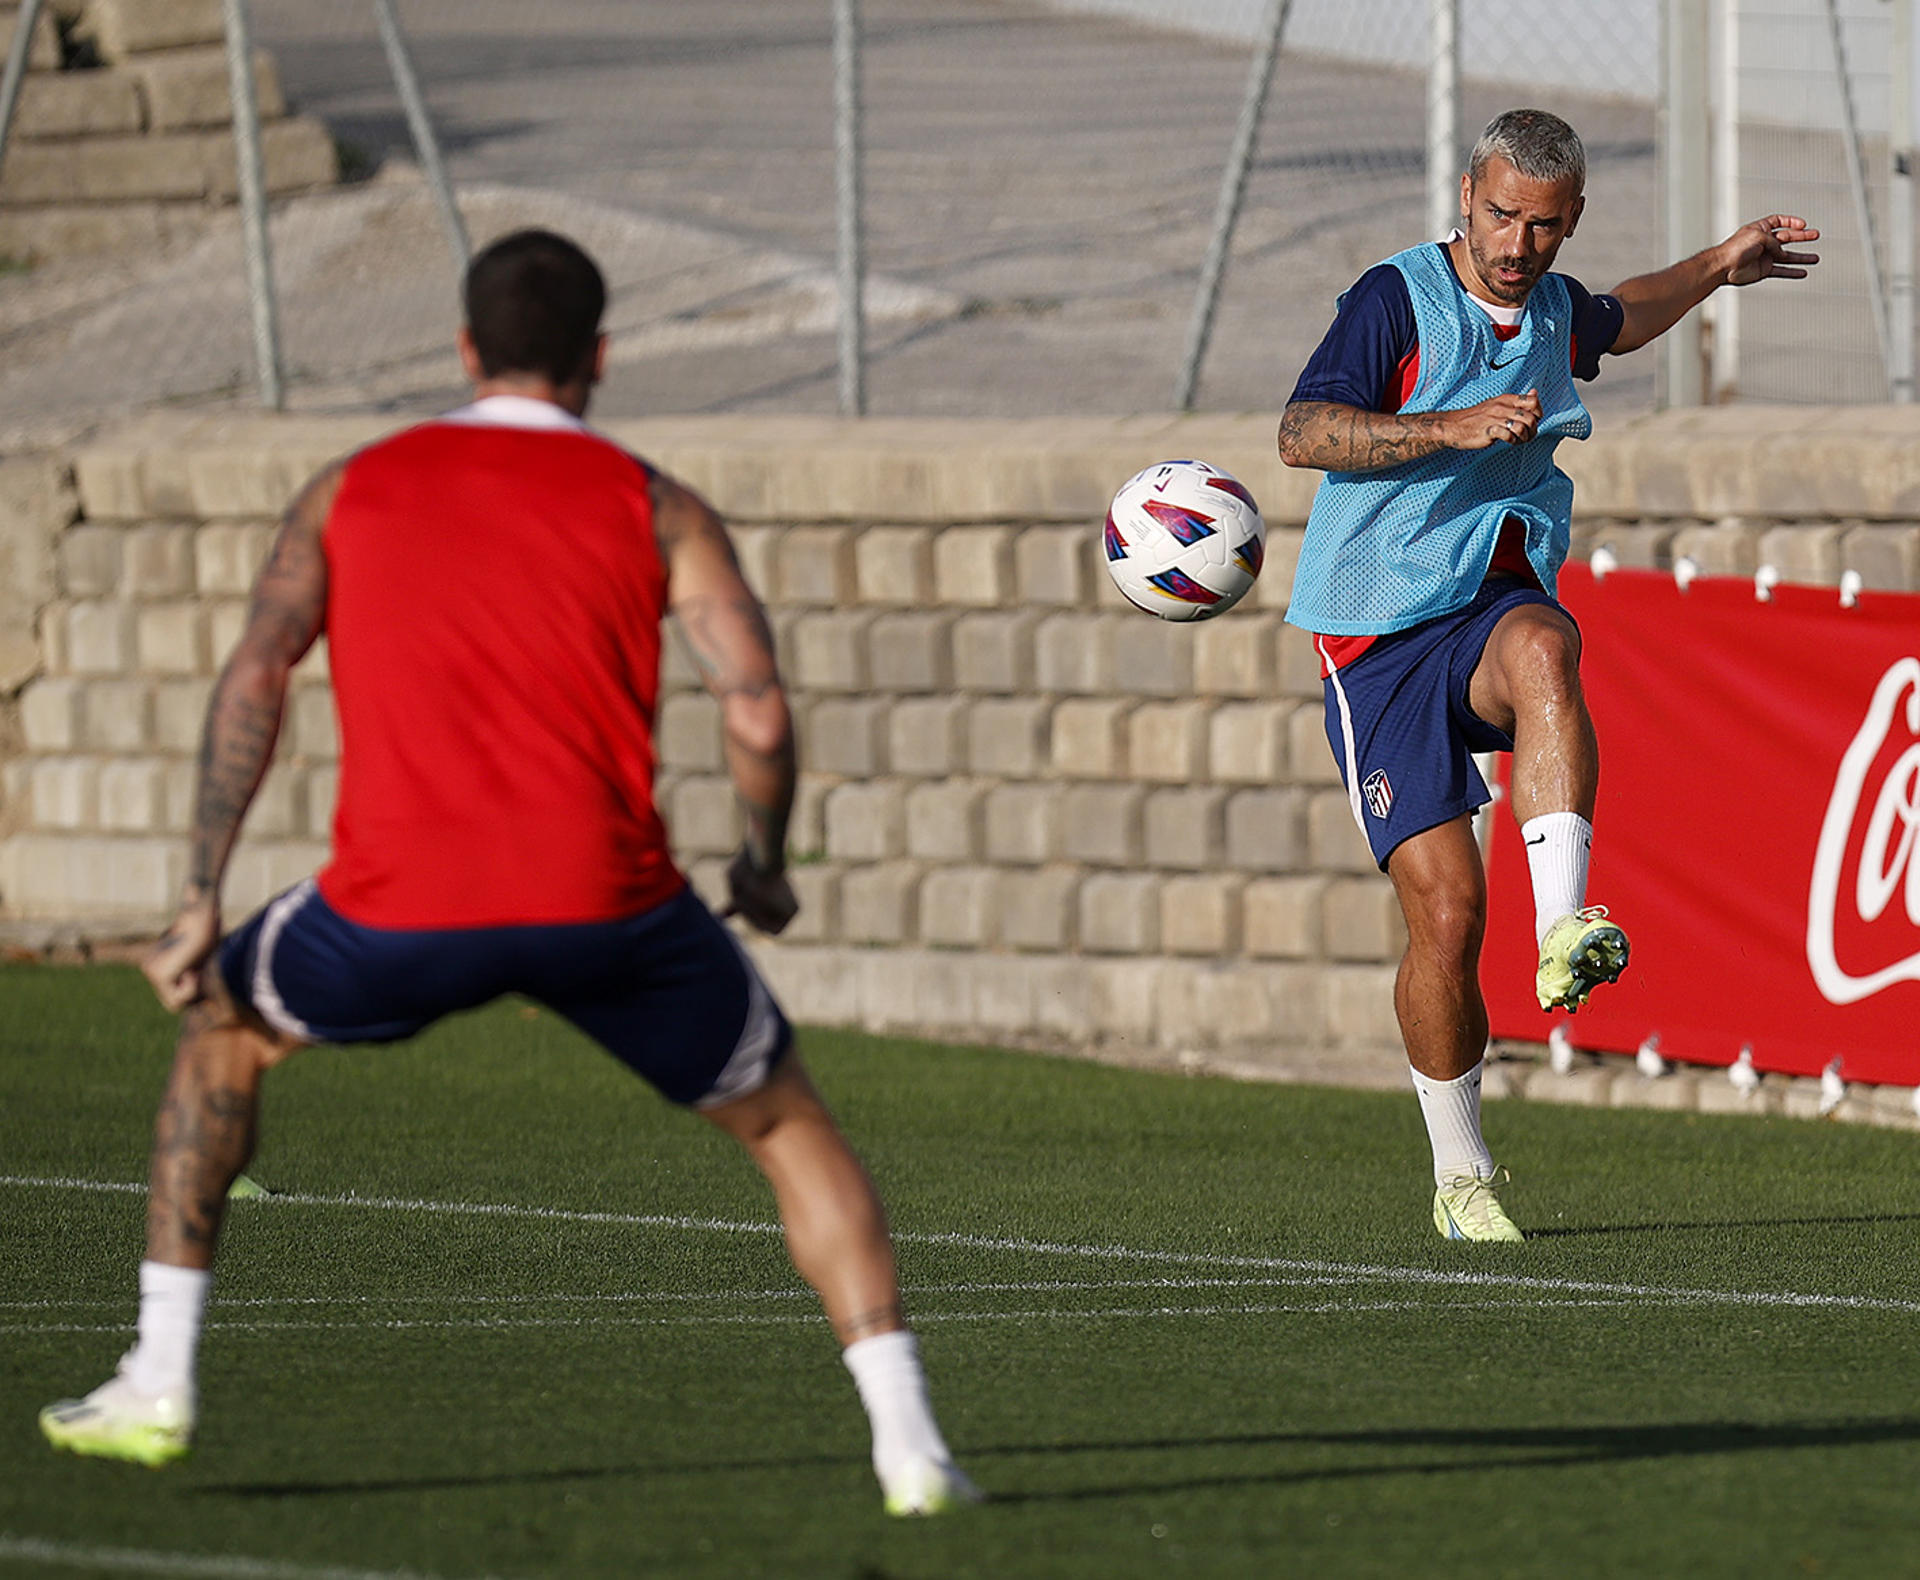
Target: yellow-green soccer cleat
{"type": "Point", "coordinates": [927, 1486]}
{"type": "Point", "coordinates": [117, 1422]}
{"type": "Point", "coordinates": [1467, 1207]}
{"type": "Point", "coordinates": [1579, 952]}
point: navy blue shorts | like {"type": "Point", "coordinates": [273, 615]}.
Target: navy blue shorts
{"type": "Point", "coordinates": [669, 992]}
{"type": "Point", "coordinates": [1400, 726]}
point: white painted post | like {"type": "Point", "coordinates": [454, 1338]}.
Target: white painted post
{"type": "Point", "coordinates": [1684, 168]}
{"type": "Point", "coordinates": [1723, 307]}
{"type": "Point", "coordinates": [1443, 116]}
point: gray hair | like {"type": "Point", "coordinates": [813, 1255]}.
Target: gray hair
{"type": "Point", "coordinates": [1536, 143]}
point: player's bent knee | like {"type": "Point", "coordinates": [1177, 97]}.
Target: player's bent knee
{"type": "Point", "coordinates": [786, 1094]}
{"type": "Point", "coordinates": [242, 1030]}
{"type": "Point", "coordinates": [1541, 651]}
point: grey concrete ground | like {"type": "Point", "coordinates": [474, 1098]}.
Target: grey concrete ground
{"type": "Point", "coordinates": [1040, 188]}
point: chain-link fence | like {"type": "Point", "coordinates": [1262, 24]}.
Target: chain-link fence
{"type": "Point", "coordinates": [1040, 184]}
{"type": "Point", "coordinates": [1039, 181]}
{"type": "Point", "coordinates": [1811, 95]}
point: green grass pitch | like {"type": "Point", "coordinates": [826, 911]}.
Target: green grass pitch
{"type": "Point", "coordinates": [512, 1316]}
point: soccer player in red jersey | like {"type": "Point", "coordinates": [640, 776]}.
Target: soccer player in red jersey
{"type": "Point", "coordinates": [1434, 405]}
{"type": "Point", "coordinates": [492, 586]}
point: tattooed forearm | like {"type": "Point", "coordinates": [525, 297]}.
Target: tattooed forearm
{"type": "Point", "coordinates": [243, 719]}
{"type": "Point", "coordinates": [767, 815]}
{"type": "Point", "coordinates": [731, 644]}
{"type": "Point", "coordinates": [1335, 438]}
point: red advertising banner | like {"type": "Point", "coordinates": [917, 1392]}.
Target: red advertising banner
{"type": "Point", "coordinates": [1756, 831]}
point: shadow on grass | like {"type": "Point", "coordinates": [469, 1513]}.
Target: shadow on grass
{"type": "Point", "coordinates": [1448, 1450]}
{"type": "Point", "coordinates": [1473, 1450]}
{"type": "Point", "coordinates": [1854, 1220]}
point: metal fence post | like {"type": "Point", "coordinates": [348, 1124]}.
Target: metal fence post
{"type": "Point", "coordinates": [1857, 186]}
{"type": "Point", "coordinates": [251, 171]}
{"type": "Point", "coordinates": [846, 172]}
{"type": "Point", "coordinates": [407, 83]}
{"type": "Point", "coordinates": [1682, 124]}
{"type": "Point", "coordinates": [1443, 116]}
{"type": "Point", "coordinates": [1233, 187]}
{"type": "Point", "coordinates": [1900, 204]}
{"type": "Point", "coordinates": [16, 71]}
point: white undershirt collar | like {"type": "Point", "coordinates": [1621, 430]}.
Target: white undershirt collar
{"type": "Point", "coordinates": [516, 411]}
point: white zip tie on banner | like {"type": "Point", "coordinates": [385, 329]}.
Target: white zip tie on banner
{"type": "Point", "coordinates": [1833, 1090]}
{"type": "Point", "coordinates": [1684, 570]}
{"type": "Point", "coordinates": [1851, 583]}
{"type": "Point", "coordinates": [1559, 1051]}
{"type": "Point", "coordinates": [1764, 581]}
{"type": "Point", "coordinates": [1604, 562]}
{"type": "Point", "coordinates": [1741, 1075]}
{"type": "Point", "coordinates": [1647, 1059]}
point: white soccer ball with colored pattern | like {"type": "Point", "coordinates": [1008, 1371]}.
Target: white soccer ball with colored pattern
{"type": "Point", "coordinates": [1184, 540]}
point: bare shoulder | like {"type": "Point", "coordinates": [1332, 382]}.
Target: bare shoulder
{"type": "Point", "coordinates": [314, 503]}
{"type": "Point", "coordinates": [679, 514]}
{"type": "Point", "coordinates": [290, 593]}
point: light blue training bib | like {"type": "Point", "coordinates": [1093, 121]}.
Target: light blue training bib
{"type": "Point", "coordinates": [1385, 550]}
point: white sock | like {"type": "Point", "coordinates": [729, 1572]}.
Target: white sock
{"type": "Point", "coordinates": [886, 1370]}
{"type": "Point", "coordinates": [1558, 845]}
{"type": "Point", "coordinates": [1452, 1112]}
{"type": "Point", "coordinates": [172, 1300]}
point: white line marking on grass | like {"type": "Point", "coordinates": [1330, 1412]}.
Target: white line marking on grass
{"type": "Point", "coordinates": [1664, 1293]}
{"type": "Point", "coordinates": [30, 1182]}
{"type": "Point", "coordinates": [136, 1560]}
{"type": "Point", "coordinates": [750, 1319]}
{"type": "Point", "coordinates": [633, 1297]}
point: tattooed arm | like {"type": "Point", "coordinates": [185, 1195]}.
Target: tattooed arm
{"type": "Point", "coordinates": [1335, 438]}
{"type": "Point", "coordinates": [243, 719]}
{"type": "Point", "coordinates": [727, 632]}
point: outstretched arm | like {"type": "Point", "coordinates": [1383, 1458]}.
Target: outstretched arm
{"type": "Point", "coordinates": [243, 720]}
{"type": "Point", "coordinates": [1653, 303]}
{"type": "Point", "coordinates": [1336, 438]}
{"type": "Point", "coordinates": [732, 646]}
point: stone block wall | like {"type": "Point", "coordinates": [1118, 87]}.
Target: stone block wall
{"type": "Point", "coordinates": [1028, 812]}
{"type": "Point", "coordinates": [1041, 812]}
{"type": "Point", "coordinates": [123, 134]}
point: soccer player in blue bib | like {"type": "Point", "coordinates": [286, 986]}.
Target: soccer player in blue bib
{"type": "Point", "coordinates": [1434, 406]}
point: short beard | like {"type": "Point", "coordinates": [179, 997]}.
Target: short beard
{"type": "Point", "coordinates": [1484, 267]}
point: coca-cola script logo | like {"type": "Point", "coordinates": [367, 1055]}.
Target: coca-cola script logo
{"type": "Point", "coordinates": [1887, 861]}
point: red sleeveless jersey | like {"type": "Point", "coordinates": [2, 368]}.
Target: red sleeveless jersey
{"type": "Point", "coordinates": [494, 597]}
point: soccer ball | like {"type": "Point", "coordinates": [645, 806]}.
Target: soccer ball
{"type": "Point", "coordinates": [1184, 540]}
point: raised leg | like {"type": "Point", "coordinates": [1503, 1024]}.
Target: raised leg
{"type": "Point", "coordinates": [1527, 683]}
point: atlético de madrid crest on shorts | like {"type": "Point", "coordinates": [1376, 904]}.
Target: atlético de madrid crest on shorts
{"type": "Point", "coordinates": [1379, 792]}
